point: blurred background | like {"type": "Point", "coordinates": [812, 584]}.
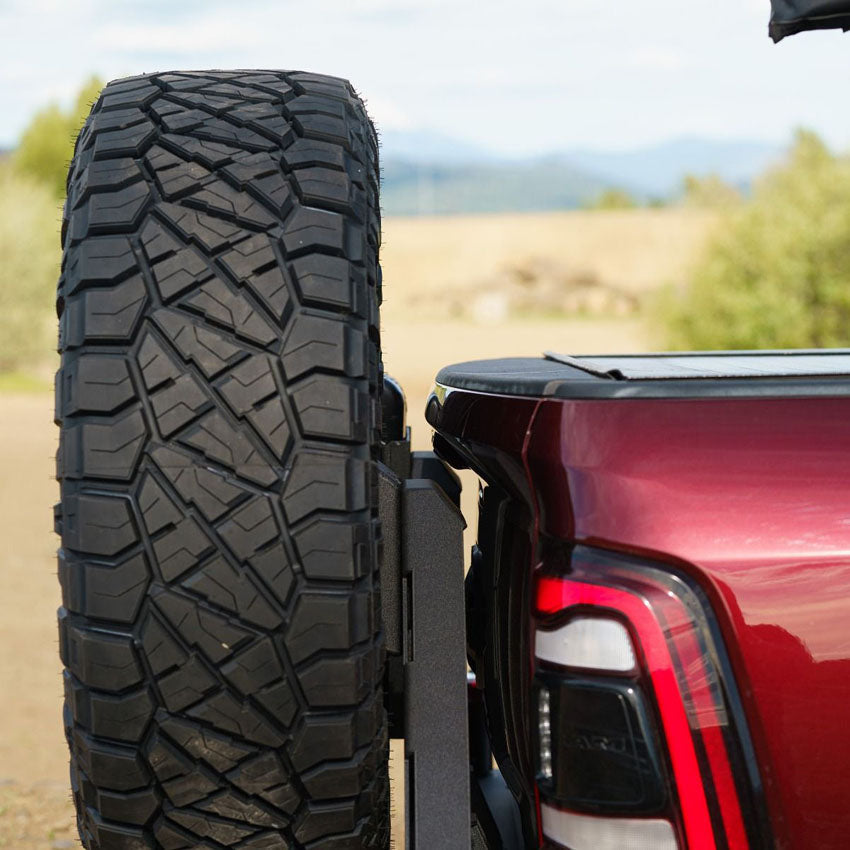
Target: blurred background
{"type": "Point", "coordinates": [577, 176]}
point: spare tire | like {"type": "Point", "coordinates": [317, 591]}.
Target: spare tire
{"type": "Point", "coordinates": [219, 406]}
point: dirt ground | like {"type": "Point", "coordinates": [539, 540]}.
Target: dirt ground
{"type": "Point", "coordinates": [35, 810]}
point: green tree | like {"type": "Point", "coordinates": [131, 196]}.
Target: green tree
{"type": "Point", "coordinates": [29, 266]}
{"type": "Point", "coordinates": [709, 192]}
{"type": "Point", "coordinates": [777, 272]}
{"type": "Point", "coordinates": [613, 199]}
{"type": "Point", "coordinates": [47, 144]}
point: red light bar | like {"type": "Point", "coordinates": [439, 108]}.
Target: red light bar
{"type": "Point", "coordinates": [679, 658]}
{"type": "Point", "coordinates": [556, 595]}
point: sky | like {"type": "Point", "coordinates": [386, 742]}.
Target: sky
{"type": "Point", "coordinates": [516, 78]}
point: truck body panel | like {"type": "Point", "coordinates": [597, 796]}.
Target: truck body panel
{"type": "Point", "coordinates": [750, 497]}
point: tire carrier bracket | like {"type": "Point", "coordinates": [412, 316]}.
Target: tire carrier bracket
{"type": "Point", "coordinates": [422, 579]}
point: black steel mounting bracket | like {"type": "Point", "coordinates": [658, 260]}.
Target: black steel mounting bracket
{"type": "Point", "coordinates": [422, 576]}
{"type": "Point", "coordinates": [454, 799]}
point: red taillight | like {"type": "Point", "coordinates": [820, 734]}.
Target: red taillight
{"type": "Point", "coordinates": [678, 698]}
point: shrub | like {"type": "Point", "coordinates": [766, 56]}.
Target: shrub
{"type": "Point", "coordinates": [777, 272]}
{"type": "Point", "coordinates": [47, 144]}
{"type": "Point", "coordinates": [613, 199]}
{"type": "Point", "coordinates": [29, 266]}
{"type": "Point", "coordinates": [709, 192]}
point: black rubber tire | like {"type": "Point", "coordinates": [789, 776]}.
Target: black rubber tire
{"type": "Point", "coordinates": [219, 408]}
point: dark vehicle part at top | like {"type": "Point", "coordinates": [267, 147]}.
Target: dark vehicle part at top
{"type": "Point", "coordinates": [792, 16]}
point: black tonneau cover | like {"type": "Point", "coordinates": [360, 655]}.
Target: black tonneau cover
{"type": "Point", "coordinates": [793, 16]}
{"type": "Point", "coordinates": [711, 364]}
{"type": "Point", "coordinates": [732, 374]}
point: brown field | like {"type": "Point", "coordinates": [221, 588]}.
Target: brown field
{"type": "Point", "coordinates": [423, 259]}
{"type": "Point", "coordinates": [635, 249]}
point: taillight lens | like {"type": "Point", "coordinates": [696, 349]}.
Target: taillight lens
{"type": "Point", "coordinates": [642, 742]}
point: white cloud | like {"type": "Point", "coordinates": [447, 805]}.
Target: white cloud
{"type": "Point", "coordinates": [656, 59]}
{"type": "Point", "coordinates": [212, 33]}
{"type": "Point", "coordinates": [373, 6]}
{"type": "Point", "coordinates": [386, 114]}
{"type": "Point", "coordinates": [541, 75]}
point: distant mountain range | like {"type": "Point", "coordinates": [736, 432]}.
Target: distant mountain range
{"type": "Point", "coordinates": [427, 173]}
{"type": "Point", "coordinates": [411, 188]}
{"type": "Point", "coordinates": [659, 169]}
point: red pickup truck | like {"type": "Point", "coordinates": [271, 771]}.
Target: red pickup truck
{"type": "Point", "coordinates": [262, 584]}
{"type": "Point", "coordinates": [677, 586]}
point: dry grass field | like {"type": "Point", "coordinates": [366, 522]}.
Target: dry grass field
{"type": "Point", "coordinates": [423, 260]}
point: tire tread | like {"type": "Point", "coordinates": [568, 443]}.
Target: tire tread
{"type": "Point", "coordinates": [216, 401]}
